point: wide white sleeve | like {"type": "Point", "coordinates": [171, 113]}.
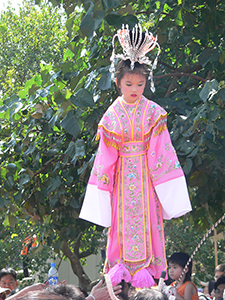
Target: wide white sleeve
{"type": "Point", "coordinates": [96, 206]}
{"type": "Point", "coordinates": [174, 198]}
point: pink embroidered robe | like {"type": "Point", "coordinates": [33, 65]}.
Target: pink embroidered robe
{"type": "Point", "coordinates": [136, 181]}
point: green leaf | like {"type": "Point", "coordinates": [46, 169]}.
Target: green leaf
{"type": "Point", "coordinates": [131, 20]}
{"type": "Point", "coordinates": [11, 100]}
{"type": "Point", "coordinates": [222, 94]}
{"type": "Point", "coordinates": [210, 88]}
{"type": "Point", "coordinates": [12, 220]}
{"type": "Point", "coordinates": [208, 55]}
{"type": "Point", "coordinates": [52, 121]}
{"type": "Point", "coordinates": [70, 123]}
{"type": "Point", "coordinates": [15, 108]}
{"type": "Point", "coordinates": [193, 96]}
{"type": "Point", "coordinates": [69, 24]}
{"type": "Point", "coordinates": [6, 221]}
{"type": "Point", "coordinates": [30, 149]}
{"type": "Point", "coordinates": [3, 108]}
{"type": "Point", "coordinates": [105, 81]}
{"type": "Point", "coordinates": [194, 152]}
{"type": "Point", "coordinates": [91, 22]}
{"type": "Point", "coordinates": [17, 196]}
{"type": "Point", "coordinates": [12, 168]}
{"type": "Point", "coordinates": [82, 99]}
{"type": "Point", "coordinates": [187, 166]}
{"type": "Point", "coordinates": [8, 184]}
{"type": "Point", "coordinates": [71, 150]}
{"type": "Point", "coordinates": [113, 19]}
{"type": "Point", "coordinates": [54, 184]}
{"type": "Point", "coordinates": [178, 19]}
{"type": "Point", "coordinates": [198, 178]}
{"type": "Point", "coordinates": [59, 98]}
{"type": "Point", "coordinates": [52, 152]}
{"type": "Point", "coordinates": [4, 202]}
{"type": "Point", "coordinates": [53, 201]}
{"type": "Point", "coordinates": [214, 113]}
{"type": "Point", "coordinates": [108, 4]}
{"type": "Point", "coordinates": [23, 179]}
{"type": "Point", "coordinates": [74, 203]}
{"type": "Point", "coordinates": [80, 147]}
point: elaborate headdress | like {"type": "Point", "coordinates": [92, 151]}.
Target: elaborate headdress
{"type": "Point", "coordinates": [136, 45]}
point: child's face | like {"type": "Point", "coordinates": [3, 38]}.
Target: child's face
{"type": "Point", "coordinates": [175, 271]}
{"type": "Point", "coordinates": [132, 87]}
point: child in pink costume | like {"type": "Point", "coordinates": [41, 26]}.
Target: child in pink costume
{"type": "Point", "coordinates": [136, 180]}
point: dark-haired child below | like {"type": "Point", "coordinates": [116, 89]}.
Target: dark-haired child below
{"type": "Point", "coordinates": [186, 290]}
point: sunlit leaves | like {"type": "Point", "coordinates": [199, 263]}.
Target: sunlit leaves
{"type": "Point", "coordinates": [26, 39]}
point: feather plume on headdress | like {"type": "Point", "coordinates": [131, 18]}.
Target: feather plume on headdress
{"type": "Point", "coordinates": [135, 44]}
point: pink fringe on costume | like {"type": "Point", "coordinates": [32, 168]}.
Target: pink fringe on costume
{"type": "Point", "coordinates": [117, 273]}
{"type": "Point", "coordinates": [142, 279]}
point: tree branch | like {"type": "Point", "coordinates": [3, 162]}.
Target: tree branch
{"type": "Point", "coordinates": [84, 280]}
{"type": "Point", "coordinates": [170, 87]}
{"type": "Point", "coordinates": [86, 253]}
{"type": "Point", "coordinates": [77, 244]}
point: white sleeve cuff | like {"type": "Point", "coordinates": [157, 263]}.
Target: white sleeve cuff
{"type": "Point", "coordinates": [174, 198]}
{"type": "Point", "coordinates": [96, 206]}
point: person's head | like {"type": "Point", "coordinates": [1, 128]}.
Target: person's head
{"type": "Point", "coordinates": [56, 292]}
{"type": "Point", "coordinates": [67, 290]}
{"type": "Point", "coordinates": [219, 271]}
{"type": "Point", "coordinates": [136, 43]}
{"type": "Point", "coordinates": [208, 287]}
{"type": "Point", "coordinates": [131, 83]}
{"type": "Point", "coordinates": [8, 278]}
{"type": "Point", "coordinates": [176, 264]}
{"type": "Point", "coordinates": [148, 294]}
{"type": "Point", "coordinates": [219, 287]}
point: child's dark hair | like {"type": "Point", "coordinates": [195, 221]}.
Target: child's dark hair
{"type": "Point", "coordinates": [181, 258]}
{"type": "Point", "coordinates": [123, 67]}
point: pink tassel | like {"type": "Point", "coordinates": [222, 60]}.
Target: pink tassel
{"type": "Point", "coordinates": [117, 273]}
{"type": "Point", "coordinates": [142, 279]}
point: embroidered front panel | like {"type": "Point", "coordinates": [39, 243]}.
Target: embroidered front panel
{"type": "Point", "coordinates": [133, 231]}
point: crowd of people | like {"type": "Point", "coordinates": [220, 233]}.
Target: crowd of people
{"type": "Point", "coordinates": [178, 278]}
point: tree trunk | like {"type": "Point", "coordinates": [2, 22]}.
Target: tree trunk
{"type": "Point", "coordinates": [84, 280]}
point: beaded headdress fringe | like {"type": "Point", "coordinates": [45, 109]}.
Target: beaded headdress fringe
{"type": "Point", "coordinates": [135, 47]}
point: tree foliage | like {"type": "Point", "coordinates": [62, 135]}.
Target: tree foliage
{"type": "Point", "coordinates": [27, 38]}
{"type": "Point", "coordinates": [49, 125]}
{"type": "Point", "coordinates": [11, 245]}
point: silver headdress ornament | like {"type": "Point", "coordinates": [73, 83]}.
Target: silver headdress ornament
{"type": "Point", "coordinates": [135, 49]}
